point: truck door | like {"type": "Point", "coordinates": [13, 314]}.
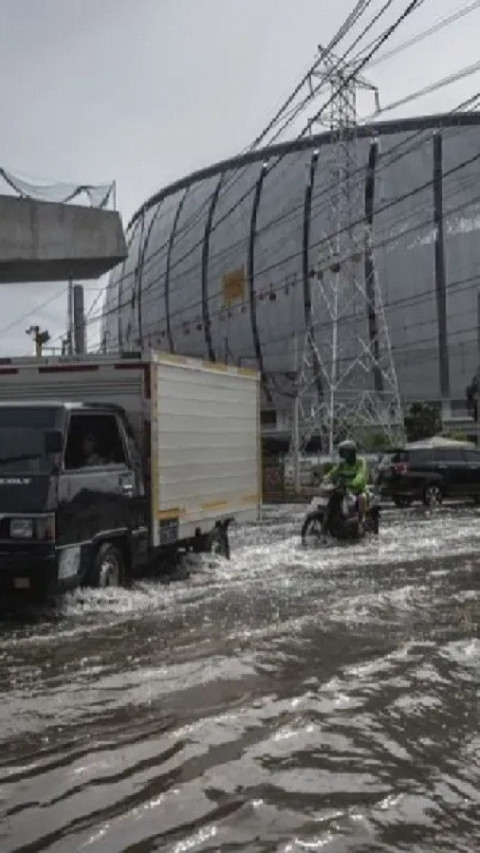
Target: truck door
{"type": "Point", "coordinates": [97, 488]}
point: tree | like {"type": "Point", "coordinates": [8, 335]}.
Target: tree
{"type": "Point", "coordinates": [422, 421]}
{"type": "Point", "coordinates": [377, 442]}
{"type": "Point", "coordinates": [454, 434]}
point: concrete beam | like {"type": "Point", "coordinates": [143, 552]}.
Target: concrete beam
{"type": "Point", "coordinates": [46, 241]}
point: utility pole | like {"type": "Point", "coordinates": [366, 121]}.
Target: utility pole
{"type": "Point", "coordinates": [296, 422]}
{"type": "Point", "coordinates": [79, 320]}
{"type": "Point", "coordinates": [347, 381]}
{"type": "Point", "coordinates": [70, 318]}
{"type": "Point", "coordinates": [477, 374]}
{"type": "Point", "coordinates": [40, 339]}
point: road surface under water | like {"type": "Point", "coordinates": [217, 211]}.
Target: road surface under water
{"type": "Point", "coordinates": [289, 700]}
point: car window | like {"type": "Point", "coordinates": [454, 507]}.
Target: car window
{"type": "Point", "coordinates": [450, 455]}
{"type": "Point", "coordinates": [472, 457]}
{"type": "Point", "coordinates": [420, 457]}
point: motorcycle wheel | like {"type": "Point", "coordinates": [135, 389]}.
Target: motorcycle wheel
{"type": "Point", "coordinates": [312, 530]}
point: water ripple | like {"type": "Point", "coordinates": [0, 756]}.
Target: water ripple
{"type": "Point", "coordinates": [290, 700]}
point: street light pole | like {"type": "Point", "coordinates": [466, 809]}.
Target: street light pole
{"type": "Point", "coordinates": [296, 422]}
{"type": "Point", "coordinates": [40, 339]}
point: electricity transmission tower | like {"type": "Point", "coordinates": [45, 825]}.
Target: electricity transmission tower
{"type": "Point", "coordinates": [346, 379]}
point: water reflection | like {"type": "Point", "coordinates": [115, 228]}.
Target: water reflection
{"type": "Point", "coordinates": [286, 701]}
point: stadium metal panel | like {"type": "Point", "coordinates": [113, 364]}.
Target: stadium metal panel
{"type": "Point", "coordinates": [220, 263]}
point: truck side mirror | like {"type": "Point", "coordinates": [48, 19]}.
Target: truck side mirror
{"type": "Point", "coordinates": [53, 441]}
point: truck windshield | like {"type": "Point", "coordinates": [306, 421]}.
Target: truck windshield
{"type": "Point", "coordinates": [22, 438]}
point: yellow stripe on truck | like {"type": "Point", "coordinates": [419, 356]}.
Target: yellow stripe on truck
{"type": "Point", "coordinates": [254, 498]}
{"type": "Point", "coordinates": [168, 514]}
{"type": "Point", "coordinates": [214, 505]}
{"type": "Point", "coordinates": [216, 365]}
{"type": "Point", "coordinates": [234, 371]}
{"type": "Point", "coordinates": [174, 359]}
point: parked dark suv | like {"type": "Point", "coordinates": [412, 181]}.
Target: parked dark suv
{"type": "Point", "coordinates": [430, 473]}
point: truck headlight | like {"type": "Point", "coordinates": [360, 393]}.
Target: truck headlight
{"type": "Point", "coordinates": [22, 528]}
{"type": "Point", "coordinates": [40, 528]}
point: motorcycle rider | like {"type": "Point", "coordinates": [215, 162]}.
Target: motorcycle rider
{"type": "Point", "coordinates": [353, 471]}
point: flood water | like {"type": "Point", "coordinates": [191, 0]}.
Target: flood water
{"type": "Point", "coordinates": [289, 700]}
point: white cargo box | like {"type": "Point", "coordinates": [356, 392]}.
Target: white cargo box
{"type": "Point", "coordinates": [201, 419]}
{"type": "Point", "coordinates": [205, 445]}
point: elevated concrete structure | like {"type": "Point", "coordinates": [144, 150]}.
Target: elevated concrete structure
{"type": "Point", "coordinates": [46, 241]}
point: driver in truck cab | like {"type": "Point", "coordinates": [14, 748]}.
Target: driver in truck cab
{"type": "Point", "coordinates": [90, 455]}
{"type": "Point", "coordinates": [353, 471]}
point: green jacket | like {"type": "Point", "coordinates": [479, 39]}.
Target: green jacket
{"type": "Point", "coordinates": [355, 476]}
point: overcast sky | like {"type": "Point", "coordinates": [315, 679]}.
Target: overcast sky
{"type": "Point", "coordinates": [145, 91]}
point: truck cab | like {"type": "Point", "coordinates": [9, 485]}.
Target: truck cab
{"type": "Point", "coordinates": [73, 507]}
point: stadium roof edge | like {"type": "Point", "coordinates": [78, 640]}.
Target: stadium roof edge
{"type": "Point", "coordinates": [434, 121]}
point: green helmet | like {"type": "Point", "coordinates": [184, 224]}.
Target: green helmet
{"type": "Point", "coordinates": [347, 450]}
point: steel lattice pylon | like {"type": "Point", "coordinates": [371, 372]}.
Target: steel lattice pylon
{"type": "Point", "coordinates": [346, 380]}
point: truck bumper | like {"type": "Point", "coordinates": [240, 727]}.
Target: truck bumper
{"type": "Point", "coordinates": [30, 572]}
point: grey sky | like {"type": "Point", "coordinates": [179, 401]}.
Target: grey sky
{"type": "Point", "coordinates": [144, 91]}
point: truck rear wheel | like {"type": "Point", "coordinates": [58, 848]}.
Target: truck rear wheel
{"type": "Point", "coordinates": [218, 543]}
{"type": "Point", "coordinates": [108, 568]}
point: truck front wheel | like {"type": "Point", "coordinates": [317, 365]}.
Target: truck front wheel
{"type": "Point", "coordinates": [108, 567]}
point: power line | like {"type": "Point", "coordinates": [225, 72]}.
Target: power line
{"type": "Point", "coordinates": [391, 239]}
{"type": "Point", "coordinates": [336, 67]}
{"type": "Point", "coordinates": [185, 231]}
{"type": "Point", "coordinates": [469, 284]}
{"type": "Point", "coordinates": [28, 314]}
{"type": "Point", "coordinates": [144, 292]}
{"type": "Point", "coordinates": [353, 17]}
{"type": "Point", "coordinates": [434, 87]}
{"type": "Point", "coordinates": [410, 8]}
{"type": "Point", "coordinates": [425, 34]}
{"type": "Point", "coordinates": [324, 241]}
{"type": "Point", "coordinates": [378, 244]}
{"type": "Point", "coordinates": [384, 164]}
{"type": "Point", "coordinates": [351, 20]}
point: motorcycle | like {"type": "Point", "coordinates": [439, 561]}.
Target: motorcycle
{"type": "Point", "coordinates": [333, 514]}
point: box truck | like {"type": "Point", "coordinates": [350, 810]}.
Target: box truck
{"type": "Point", "coordinates": [113, 463]}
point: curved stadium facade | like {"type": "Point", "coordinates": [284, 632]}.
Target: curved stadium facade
{"type": "Point", "coordinates": [220, 263]}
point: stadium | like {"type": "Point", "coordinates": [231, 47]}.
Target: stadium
{"type": "Point", "coordinates": [221, 263]}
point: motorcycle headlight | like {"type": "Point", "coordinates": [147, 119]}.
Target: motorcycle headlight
{"type": "Point", "coordinates": [22, 528]}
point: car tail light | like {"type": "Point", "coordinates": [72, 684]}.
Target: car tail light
{"type": "Point", "coordinates": [400, 468]}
